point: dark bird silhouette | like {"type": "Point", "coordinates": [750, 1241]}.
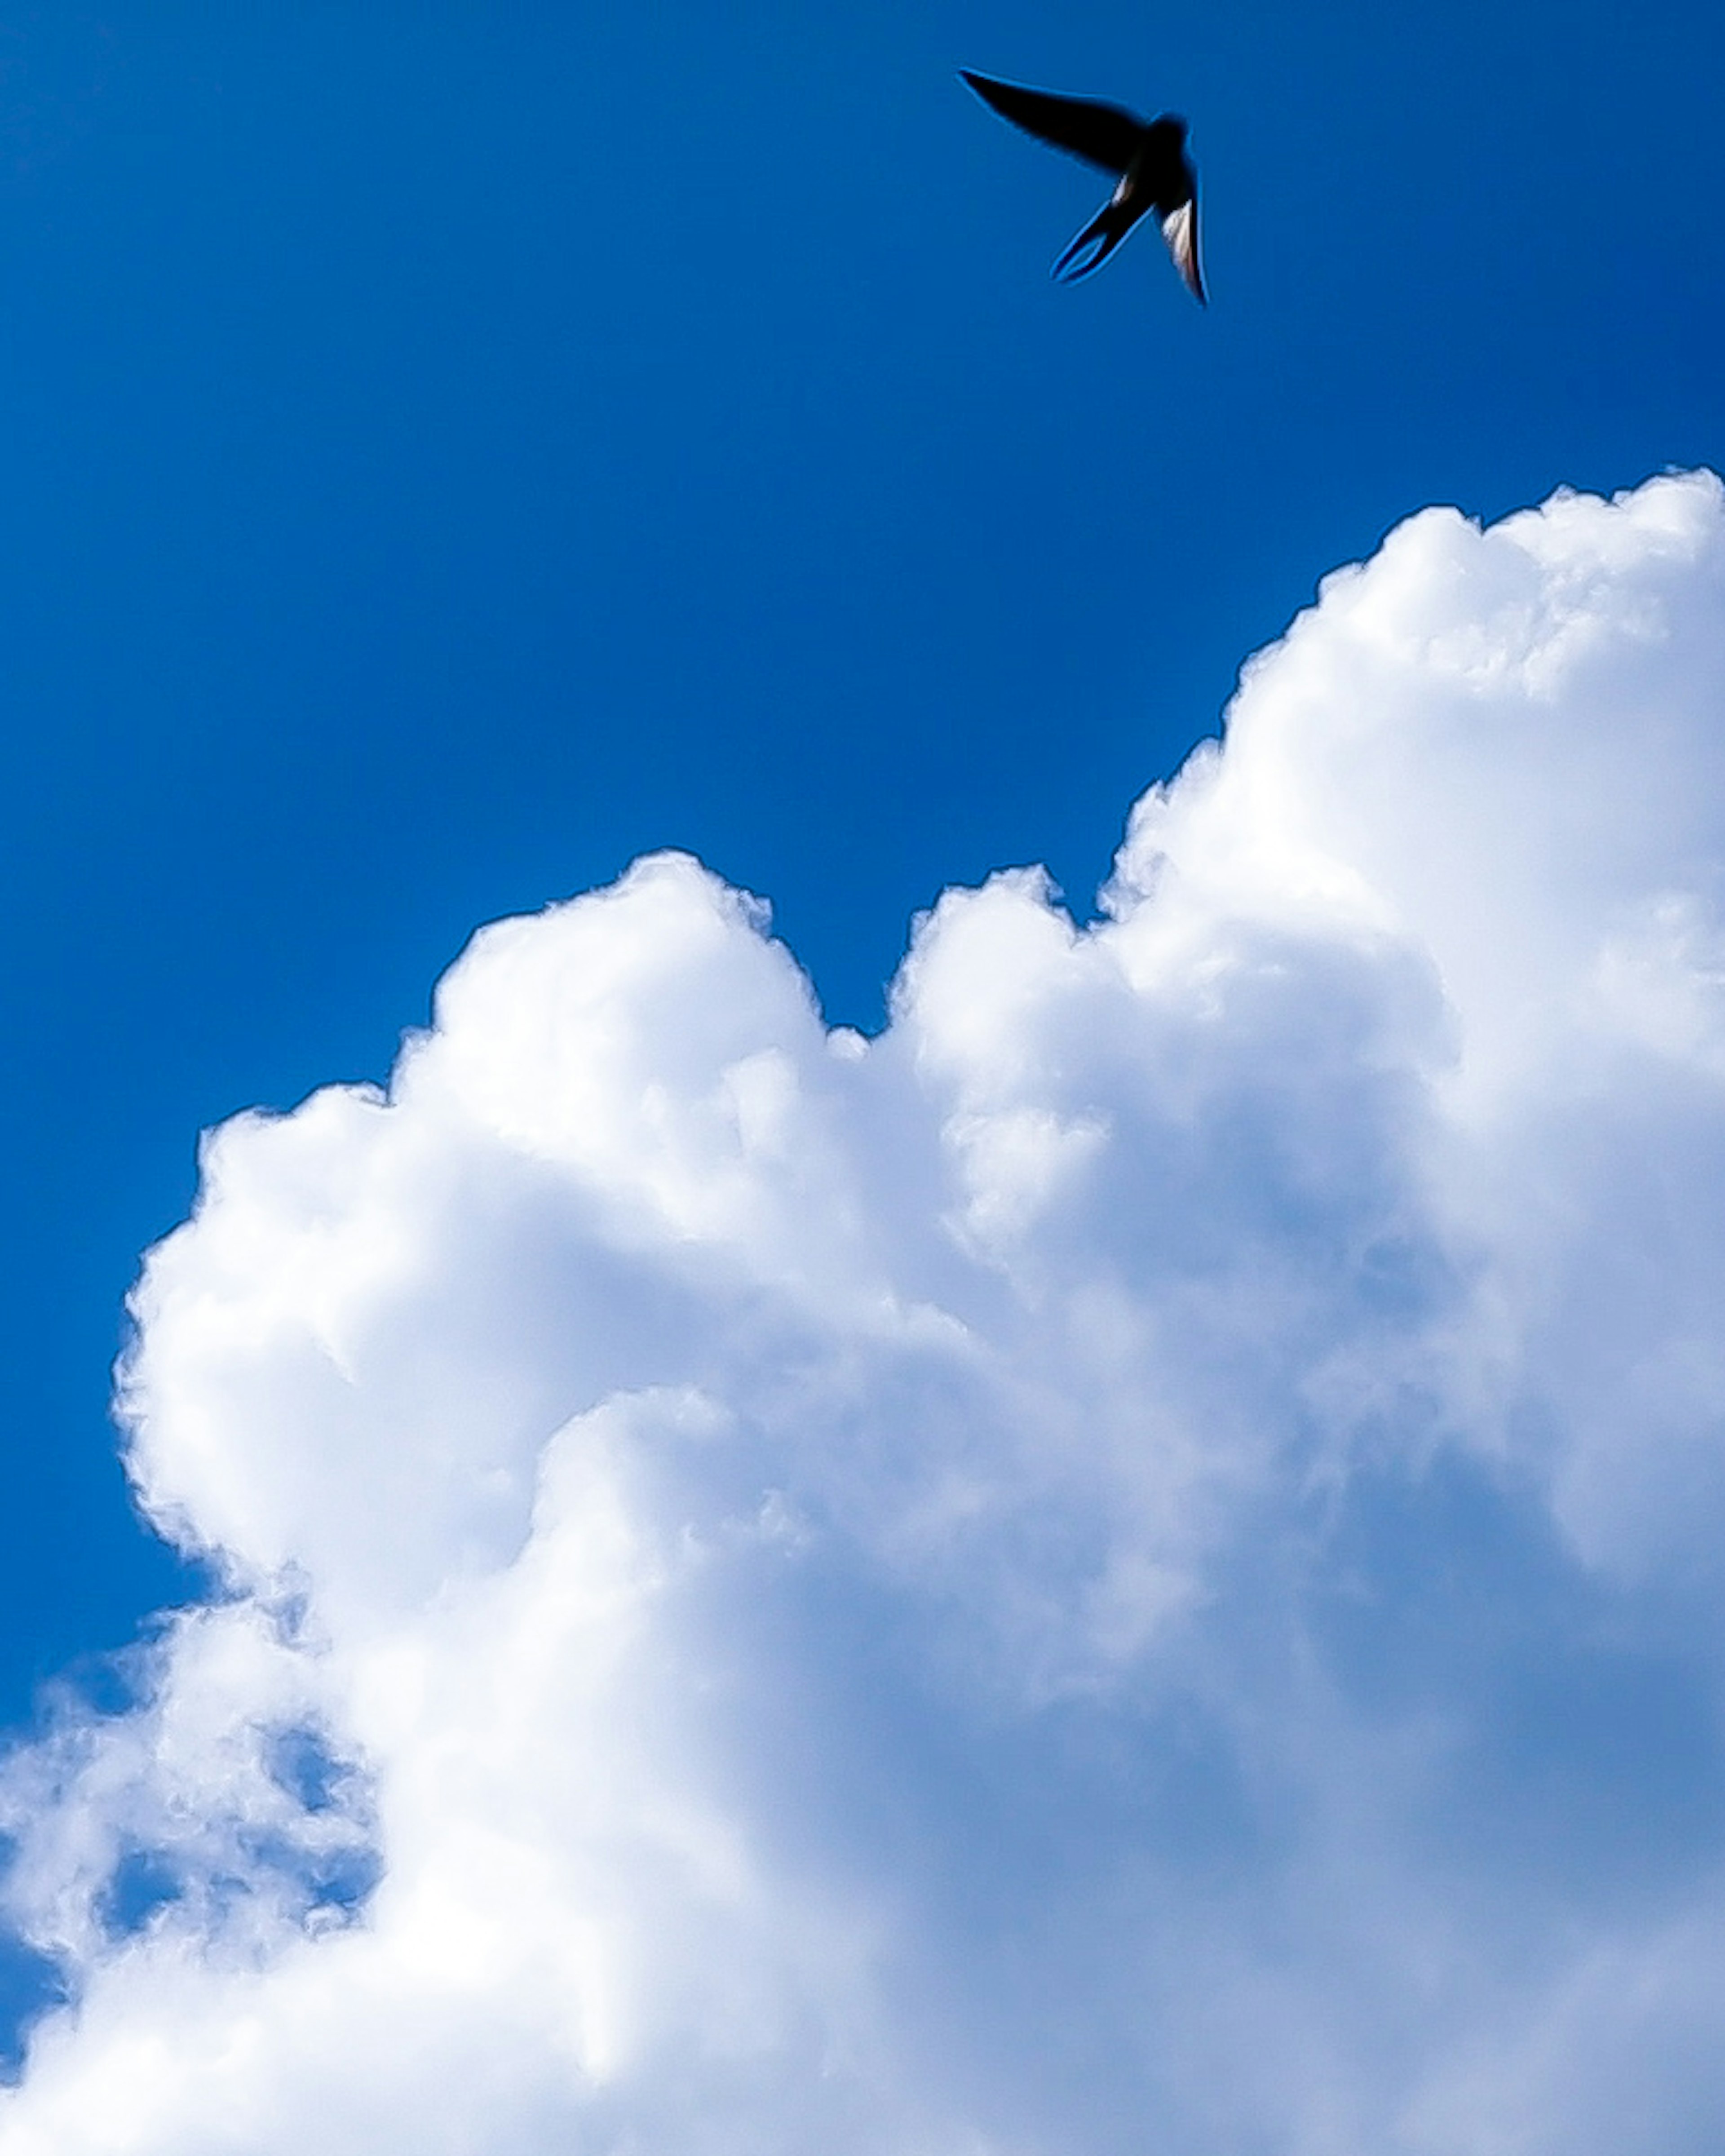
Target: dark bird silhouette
{"type": "Point", "coordinates": [1148, 157]}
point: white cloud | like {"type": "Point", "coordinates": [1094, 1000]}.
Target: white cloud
{"type": "Point", "coordinates": [1132, 1564]}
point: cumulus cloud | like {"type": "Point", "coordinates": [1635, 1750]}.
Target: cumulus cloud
{"type": "Point", "coordinates": [1131, 1564]}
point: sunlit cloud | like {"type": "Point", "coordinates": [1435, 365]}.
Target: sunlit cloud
{"type": "Point", "coordinates": [1132, 1563]}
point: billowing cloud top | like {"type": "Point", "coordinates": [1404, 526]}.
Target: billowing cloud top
{"type": "Point", "coordinates": [1133, 1564]}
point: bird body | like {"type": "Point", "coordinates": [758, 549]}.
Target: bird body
{"type": "Point", "coordinates": [1148, 158]}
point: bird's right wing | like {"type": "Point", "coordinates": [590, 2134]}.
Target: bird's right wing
{"type": "Point", "coordinates": [1100, 134]}
{"type": "Point", "coordinates": [1179, 229]}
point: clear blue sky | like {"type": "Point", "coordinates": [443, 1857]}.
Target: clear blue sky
{"type": "Point", "coordinates": [447, 451]}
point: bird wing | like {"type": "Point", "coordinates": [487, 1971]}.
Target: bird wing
{"type": "Point", "coordinates": [1179, 229]}
{"type": "Point", "coordinates": [1100, 134]}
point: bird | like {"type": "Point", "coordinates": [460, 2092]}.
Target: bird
{"type": "Point", "coordinates": [1148, 157]}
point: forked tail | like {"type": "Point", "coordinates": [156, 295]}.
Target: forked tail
{"type": "Point", "coordinates": [1093, 246]}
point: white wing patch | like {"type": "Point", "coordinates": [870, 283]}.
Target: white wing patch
{"type": "Point", "coordinates": [1179, 229]}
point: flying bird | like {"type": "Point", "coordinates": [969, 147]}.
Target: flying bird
{"type": "Point", "coordinates": [1148, 157]}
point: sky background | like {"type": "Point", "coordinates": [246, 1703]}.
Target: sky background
{"type": "Point", "coordinates": [1185, 1479]}
{"type": "Point", "coordinates": [448, 450]}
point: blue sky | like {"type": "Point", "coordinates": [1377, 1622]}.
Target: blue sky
{"type": "Point", "coordinates": [450, 451]}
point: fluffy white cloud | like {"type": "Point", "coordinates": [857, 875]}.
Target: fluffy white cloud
{"type": "Point", "coordinates": [1133, 1563]}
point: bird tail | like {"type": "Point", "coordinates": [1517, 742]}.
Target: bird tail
{"type": "Point", "coordinates": [1092, 247]}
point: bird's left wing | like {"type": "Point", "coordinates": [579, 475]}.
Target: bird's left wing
{"type": "Point", "coordinates": [1101, 135]}
{"type": "Point", "coordinates": [1179, 229]}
